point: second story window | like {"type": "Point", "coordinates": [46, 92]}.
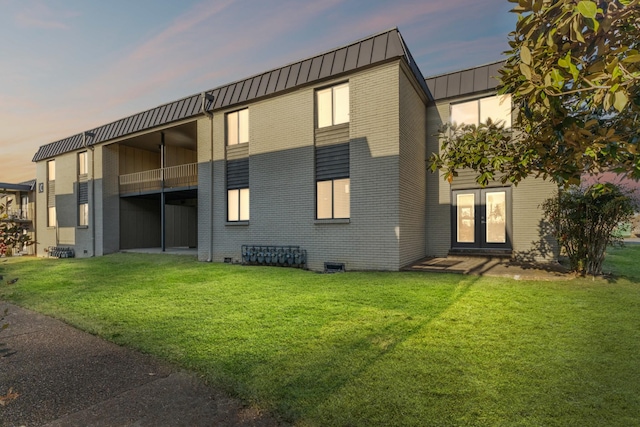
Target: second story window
{"type": "Point", "coordinates": [497, 107]}
{"type": "Point", "coordinates": [83, 163]}
{"type": "Point", "coordinates": [238, 127]}
{"type": "Point", "coordinates": [51, 170]}
{"type": "Point", "coordinates": [51, 193]}
{"type": "Point", "coordinates": [333, 105]}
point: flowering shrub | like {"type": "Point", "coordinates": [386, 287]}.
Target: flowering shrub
{"type": "Point", "coordinates": [13, 235]}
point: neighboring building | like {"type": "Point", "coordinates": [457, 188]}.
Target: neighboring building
{"type": "Point", "coordinates": [629, 184]}
{"type": "Point", "coordinates": [18, 201]}
{"type": "Point", "coordinates": [327, 153]}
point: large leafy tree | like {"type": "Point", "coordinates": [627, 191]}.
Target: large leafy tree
{"type": "Point", "coordinates": [572, 72]}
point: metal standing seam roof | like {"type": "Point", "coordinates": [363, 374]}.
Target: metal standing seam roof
{"type": "Point", "coordinates": [369, 51]}
{"type": "Point", "coordinates": [465, 82]}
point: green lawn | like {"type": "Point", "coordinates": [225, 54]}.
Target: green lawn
{"type": "Point", "coordinates": [365, 349]}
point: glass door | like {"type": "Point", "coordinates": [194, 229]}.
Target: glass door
{"type": "Point", "coordinates": [480, 218]}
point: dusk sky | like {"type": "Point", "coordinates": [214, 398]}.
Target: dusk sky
{"type": "Point", "coordinates": [71, 65]}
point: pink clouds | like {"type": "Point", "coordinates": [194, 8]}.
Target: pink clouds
{"type": "Point", "coordinates": [71, 77]}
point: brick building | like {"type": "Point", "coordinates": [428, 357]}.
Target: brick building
{"type": "Point", "coordinates": [327, 154]}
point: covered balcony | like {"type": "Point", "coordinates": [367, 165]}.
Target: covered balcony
{"type": "Point", "coordinates": [160, 161]}
{"type": "Point", "coordinates": [155, 180]}
{"type": "Point", "coordinates": [158, 187]}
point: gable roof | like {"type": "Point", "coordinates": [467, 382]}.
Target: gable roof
{"type": "Point", "coordinates": [478, 79]}
{"type": "Point", "coordinates": [361, 54]}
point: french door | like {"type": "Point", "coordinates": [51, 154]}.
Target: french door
{"type": "Point", "coordinates": [481, 218]}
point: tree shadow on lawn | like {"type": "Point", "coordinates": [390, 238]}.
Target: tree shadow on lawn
{"type": "Point", "coordinates": [296, 383]}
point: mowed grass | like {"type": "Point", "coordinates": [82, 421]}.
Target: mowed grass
{"type": "Point", "coordinates": [366, 349]}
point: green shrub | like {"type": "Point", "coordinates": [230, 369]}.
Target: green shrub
{"type": "Point", "coordinates": [584, 221]}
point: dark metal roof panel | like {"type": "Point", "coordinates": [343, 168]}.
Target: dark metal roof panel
{"type": "Point", "coordinates": [453, 85]}
{"type": "Point", "coordinates": [327, 64]}
{"type": "Point", "coordinates": [338, 62]}
{"type": "Point", "coordinates": [264, 81]}
{"type": "Point", "coordinates": [119, 126]}
{"type": "Point", "coordinates": [180, 109]}
{"type": "Point", "coordinates": [282, 78]}
{"type": "Point", "coordinates": [394, 45]}
{"type": "Point", "coordinates": [98, 133]}
{"type": "Point", "coordinates": [255, 84]}
{"type": "Point", "coordinates": [364, 58]}
{"type": "Point", "coordinates": [168, 114]}
{"type": "Point", "coordinates": [244, 94]}
{"type": "Point", "coordinates": [228, 95]}
{"type": "Point", "coordinates": [293, 75]}
{"type": "Point", "coordinates": [465, 82]}
{"type": "Point", "coordinates": [379, 48]}
{"type": "Point", "coordinates": [127, 124]}
{"type": "Point", "coordinates": [368, 51]}
{"type": "Point", "coordinates": [237, 92]}
{"type": "Point", "coordinates": [431, 84]}
{"type": "Point", "coordinates": [494, 75]}
{"type": "Point", "coordinates": [314, 72]}
{"type": "Point", "coordinates": [220, 98]}
{"type": "Point", "coordinates": [194, 107]}
{"type": "Point", "coordinates": [273, 80]}
{"type": "Point", "coordinates": [108, 131]}
{"type": "Point", "coordinates": [153, 116]}
{"type": "Point", "coordinates": [351, 61]}
{"type": "Point", "coordinates": [481, 79]}
{"type": "Point", "coordinates": [441, 87]}
{"type": "Point", "coordinates": [144, 120]}
{"type": "Point", "coordinates": [303, 75]}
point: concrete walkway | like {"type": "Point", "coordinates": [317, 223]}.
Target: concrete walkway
{"type": "Point", "coordinates": [52, 374]}
{"type": "Point", "coordinates": [493, 266]}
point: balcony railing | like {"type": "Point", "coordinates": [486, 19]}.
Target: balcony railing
{"type": "Point", "coordinates": [15, 215]}
{"type": "Point", "coordinates": [151, 180]}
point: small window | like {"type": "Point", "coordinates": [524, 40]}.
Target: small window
{"type": "Point", "coordinates": [51, 170]}
{"type": "Point", "coordinates": [51, 216]}
{"type": "Point", "coordinates": [51, 193]}
{"type": "Point", "coordinates": [333, 105]}
{"type": "Point", "coordinates": [498, 108]}
{"type": "Point", "coordinates": [83, 204]}
{"type": "Point", "coordinates": [238, 204]}
{"type": "Point", "coordinates": [333, 199]}
{"type": "Point", "coordinates": [238, 127]}
{"type": "Point", "coordinates": [83, 214]}
{"type": "Point", "coordinates": [83, 164]}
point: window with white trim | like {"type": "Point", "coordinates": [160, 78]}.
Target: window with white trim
{"type": "Point", "coordinates": [332, 105]}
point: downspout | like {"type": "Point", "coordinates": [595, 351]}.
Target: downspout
{"type": "Point", "coordinates": [163, 217]}
{"type": "Point", "coordinates": [93, 191]}
{"type": "Point", "coordinates": [210, 98]}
